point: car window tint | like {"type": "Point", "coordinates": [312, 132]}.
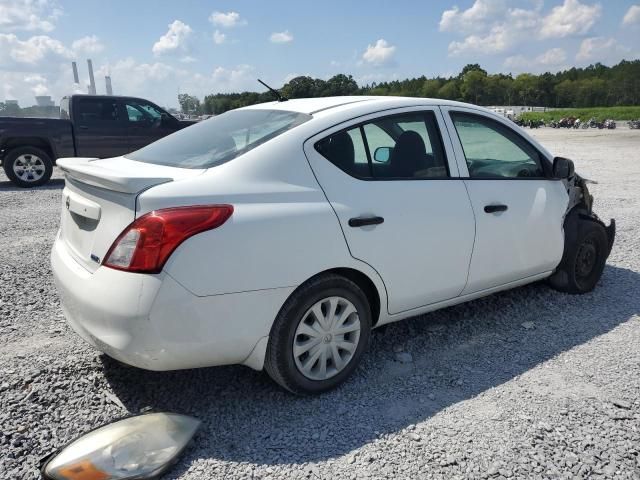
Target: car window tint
{"type": "Point", "coordinates": [419, 127]}
{"type": "Point", "coordinates": [219, 139]}
{"type": "Point", "coordinates": [134, 114]}
{"type": "Point", "coordinates": [377, 138]}
{"type": "Point", "coordinates": [92, 110]}
{"type": "Point", "coordinates": [346, 150]}
{"type": "Point", "coordinates": [400, 147]}
{"type": "Point", "coordinates": [493, 150]}
{"type": "Point", "coordinates": [414, 147]}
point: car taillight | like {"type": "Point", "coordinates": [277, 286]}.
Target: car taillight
{"type": "Point", "coordinates": [147, 243]}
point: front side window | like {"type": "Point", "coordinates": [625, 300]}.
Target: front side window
{"type": "Point", "coordinates": [401, 147]}
{"type": "Point", "coordinates": [219, 139]}
{"type": "Point", "coordinates": [96, 110]}
{"type": "Point", "coordinates": [142, 112]}
{"type": "Point", "coordinates": [493, 150]}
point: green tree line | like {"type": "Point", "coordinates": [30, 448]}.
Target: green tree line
{"type": "Point", "coordinates": [593, 86]}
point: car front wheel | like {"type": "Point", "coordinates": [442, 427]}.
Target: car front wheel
{"type": "Point", "coordinates": [319, 336]}
{"type": "Point", "coordinates": [584, 258]}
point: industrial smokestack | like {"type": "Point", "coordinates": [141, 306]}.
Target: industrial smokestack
{"type": "Point", "coordinates": [92, 82]}
{"type": "Point", "coordinates": [76, 79]}
{"type": "Point", "coordinates": [107, 81]}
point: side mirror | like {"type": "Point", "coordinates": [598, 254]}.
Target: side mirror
{"type": "Point", "coordinates": [382, 154]}
{"type": "Point", "coordinates": [563, 168]}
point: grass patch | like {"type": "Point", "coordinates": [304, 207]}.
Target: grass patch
{"type": "Point", "coordinates": [600, 113]}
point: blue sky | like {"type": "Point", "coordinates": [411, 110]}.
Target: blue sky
{"type": "Point", "coordinates": [158, 48]}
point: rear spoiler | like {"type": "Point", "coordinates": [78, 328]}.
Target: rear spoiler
{"type": "Point", "coordinates": [86, 171]}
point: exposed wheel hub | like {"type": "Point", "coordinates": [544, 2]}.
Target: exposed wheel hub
{"type": "Point", "coordinates": [586, 258]}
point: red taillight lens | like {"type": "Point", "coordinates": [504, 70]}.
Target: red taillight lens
{"type": "Point", "coordinates": [147, 243]}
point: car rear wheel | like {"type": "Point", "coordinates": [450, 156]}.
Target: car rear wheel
{"type": "Point", "coordinates": [319, 335]}
{"type": "Point", "coordinates": [584, 259]}
{"type": "Point", "coordinates": [28, 167]}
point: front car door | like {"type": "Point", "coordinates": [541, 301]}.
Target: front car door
{"type": "Point", "coordinates": [99, 128]}
{"type": "Point", "coordinates": [519, 208]}
{"type": "Point", "coordinates": [393, 184]}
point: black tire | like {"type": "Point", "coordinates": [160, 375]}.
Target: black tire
{"type": "Point", "coordinates": [279, 361]}
{"type": "Point", "coordinates": [39, 161]}
{"type": "Point", "coordinates": [586, 252]}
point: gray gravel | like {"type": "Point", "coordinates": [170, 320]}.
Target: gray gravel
{"type": "Point", "coordinates": [524, 384]}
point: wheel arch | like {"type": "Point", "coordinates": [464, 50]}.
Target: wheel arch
{"type": "Point", "coordinates": [36, 142]}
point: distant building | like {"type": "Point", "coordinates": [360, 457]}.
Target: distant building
{"type": "Point", "coordinates": [44, 101]}
{"type": "Point", "coordinates": [11, 102]}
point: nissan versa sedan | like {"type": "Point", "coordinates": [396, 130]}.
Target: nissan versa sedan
{"type": "Point", "coordinates": [279, 235]}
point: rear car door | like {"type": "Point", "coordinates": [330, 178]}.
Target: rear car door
{"type": "Point", "coordinates": [144, 123]}
{"type": "Point", "coordinates": [400, 203]}
{"type": "Point", "coordinates": [99, 129]}
{"type": "Point", "coordinates": [519, 208]}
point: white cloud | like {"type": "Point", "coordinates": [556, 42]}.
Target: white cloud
{"type": "Point", "coordinates": [497, 40]}
{"type": "Point", "coordinates": [379, 54]}
{"type": "Point", "coordinates": [28, 15]}
{"type": "Point", "coordinates": [16, 53]}
{"type": "Point", "coordinates": [551, 58]}
{"type": "Point", "coordinates": [632, 16]}
{"type": "Point", "coordinates": [219, 38]}
{"type": "Point", "coordinates": [188, 59]}
{"type": "Point", "coordinates": [570, 18]}
{"type": "Point", "coordinates": [473, 18]}
{"type": "Point", "coordinates": [601, 49]}
{"type": "Point", "coordinates": [281, 37]}
{"type": "Point", "coordinates": [227, 20]}
{"type": "Point", "coordinates": [491, 27]}
{"type": "Point", "coordinates": [89, 44]}
{"type": "Point", "coordinates": [175, 40]}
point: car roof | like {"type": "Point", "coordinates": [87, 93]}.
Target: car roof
{"type": "Point", "coordinates": [312, 106]}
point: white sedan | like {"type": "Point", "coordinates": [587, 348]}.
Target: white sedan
{"type": "Point", "coordinates": [279, 235]}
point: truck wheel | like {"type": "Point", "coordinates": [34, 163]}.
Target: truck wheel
{"type": "Point", "coordinates": [583, 260]}
{"type": "Point", "coordinates": [319, 336]}
{"type": "Point", "coordinates": [28, 167]}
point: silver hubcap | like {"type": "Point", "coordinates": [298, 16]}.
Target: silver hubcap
{"type": "Point", "coordinates": [326, 338]}
{"type": "Point", "coordinates": [29, 167]}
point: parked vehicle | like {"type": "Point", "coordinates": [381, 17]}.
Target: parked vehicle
{"type": "Point", "coordinates": [279, 235]}
{"type": "Point", "coordinates": [634, 124]}
{"type": "Point", "coordinates": [89, 126]}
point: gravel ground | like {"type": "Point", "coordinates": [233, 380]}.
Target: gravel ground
{"type": "Point", "coordinates": [524, 384]}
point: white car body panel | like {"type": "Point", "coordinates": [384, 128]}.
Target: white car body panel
{"type": "Point", "coordinates": [525, 240]}
{"type": "Point", "coordinates": [423, 248]}
{"type": "Point", "coordinates": [220, 291]}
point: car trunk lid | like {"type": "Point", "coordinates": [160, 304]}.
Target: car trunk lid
{"type": "Point", "coordinates": [99, 201]}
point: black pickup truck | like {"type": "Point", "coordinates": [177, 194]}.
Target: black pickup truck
{"type": "Point", "coordinates": [89, 126]}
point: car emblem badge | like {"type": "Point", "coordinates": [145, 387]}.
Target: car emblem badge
{"type": "Point", "coordinates": [68, 202]}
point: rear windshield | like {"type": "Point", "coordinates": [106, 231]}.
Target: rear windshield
{"type": "Point", "coordinates": [219, 139]}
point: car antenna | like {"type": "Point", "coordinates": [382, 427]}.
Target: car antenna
{"type": "Point", "coordinates": [279, 96]}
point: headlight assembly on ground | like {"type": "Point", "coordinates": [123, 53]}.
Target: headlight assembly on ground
{"type": "Point", "coordinates": [139, 447]}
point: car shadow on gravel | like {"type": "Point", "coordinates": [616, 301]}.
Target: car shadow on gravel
{"type": "Point", "coordinates": [55, 184]}
{"type": "Point", "coordinates": [457, 353]}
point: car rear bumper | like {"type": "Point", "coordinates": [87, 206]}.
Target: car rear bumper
{"type": "Point", "coordinates": [152, 322]}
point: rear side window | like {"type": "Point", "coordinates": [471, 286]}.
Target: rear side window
{"type": "Point", "coordinates": [398, 147]}
{"type": "Point", "coordinates": [493, 150]}
{"type": "Point", "coordinates": [96, 110]}
{"type": "Point", "coordinates": [219, 139]}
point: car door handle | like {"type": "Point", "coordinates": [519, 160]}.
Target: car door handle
{"type": "Point", "coordinates": [364, 221]}
{"type": "Point", "coordinates": [83, 127]}
{"type": "Point", "coordinates": [495, 208]}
